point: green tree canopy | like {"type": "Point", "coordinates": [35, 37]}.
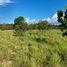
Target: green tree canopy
{"type": "Point", "coordinates": [20, 25]}
{"type": "Point", "coordinates": [62, 19]}
{"type": "Point", "coordinates": [42, 24]}
{"type": "Point", "coordinates": [19, 20]}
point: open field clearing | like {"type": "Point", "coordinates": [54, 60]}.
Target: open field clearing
{"type": "Point", "coordinates": [36, 48]}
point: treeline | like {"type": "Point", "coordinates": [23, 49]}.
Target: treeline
{"type": "Point", "coordinates": [6, 26]}
{"type": "Point", "coordinates": [20, 22]}
{"type": "Point", "coordinates": [41, 25]}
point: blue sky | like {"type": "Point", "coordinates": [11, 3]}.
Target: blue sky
{"type": "Point", "coordinates": [32, 10]}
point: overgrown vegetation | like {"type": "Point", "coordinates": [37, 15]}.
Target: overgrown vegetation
{"type": "Point", "coordinates": [35, 45]}
{"type": "Point", "coordinates": [37, 48]}
{"type": "Point", "coordinates": [62, 19]}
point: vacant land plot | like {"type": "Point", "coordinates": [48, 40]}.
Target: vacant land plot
{"type": "Point", "coordinates": [36, 48]}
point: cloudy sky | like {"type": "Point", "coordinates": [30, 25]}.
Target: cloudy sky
{"type": "Point", "coordinates": [32, 10]}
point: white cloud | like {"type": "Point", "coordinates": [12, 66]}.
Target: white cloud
{"type": "Point", "coordinates": [3, 2]}
{"type": "Point", "coordinates": [52, 20]}
{"type": "Point", "coordinates": [28, 20]}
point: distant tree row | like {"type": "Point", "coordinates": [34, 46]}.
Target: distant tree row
{"type": "Point", "coordinates": [6, 26]}
{"type": "Point", "coordinates": [22, 24]}
{"type": "Point", "coordinates": [41, 25]}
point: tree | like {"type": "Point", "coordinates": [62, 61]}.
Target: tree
{"type": "Point", "coordinates": [42, 25]}
{"type": "Point", "coordinates": [62, 19]}
{"type": "Point", "coordinates": [19, 20]}
{"type": "Point", "coordinates": [20, 25]}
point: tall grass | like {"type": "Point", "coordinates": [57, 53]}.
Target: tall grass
{"type": "Point", "coordinates": [36, 48]}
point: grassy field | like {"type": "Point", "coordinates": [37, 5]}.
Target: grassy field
{"type": "Point", "coordinates": [45, 48]}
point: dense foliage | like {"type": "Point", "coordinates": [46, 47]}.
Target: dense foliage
{"type": "Point", "coordinates": [62, 18]}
